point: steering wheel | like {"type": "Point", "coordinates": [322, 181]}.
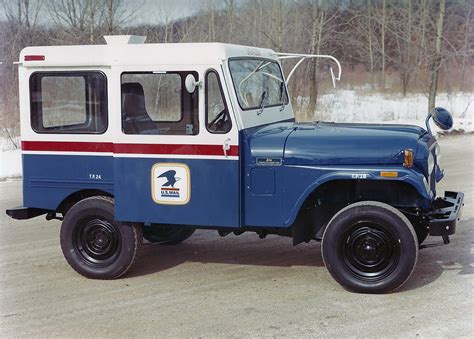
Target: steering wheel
{"type": "Point", "coordinates": [219, 121]}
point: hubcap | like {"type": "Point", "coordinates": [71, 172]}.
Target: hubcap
{"type": "Point", "coordinates": [97, 241]}
{"type": "Point", "coordinates": [369, 251]}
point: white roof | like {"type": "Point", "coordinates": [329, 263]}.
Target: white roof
{"type": "Point", "coordinates": [119, 54]}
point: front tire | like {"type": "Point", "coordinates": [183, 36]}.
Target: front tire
{"type": "Point", "coordinates": [94, 244]}
{"type": "Point", "coordinates": [370, 247]}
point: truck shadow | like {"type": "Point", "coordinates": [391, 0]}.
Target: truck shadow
{"type": "Point", "coordinates": [207, 247]}
{"type": "Point", "coordinates": [457, 257]}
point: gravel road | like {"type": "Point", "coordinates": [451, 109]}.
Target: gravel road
{"type": "Point", "coordinates": [234, 286]}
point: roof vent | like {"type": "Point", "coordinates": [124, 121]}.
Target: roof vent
{"type": "Point", "coordinates": [124, 39]}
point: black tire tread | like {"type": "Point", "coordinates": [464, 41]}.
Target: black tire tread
{"type": "Point", "coordinates": [137, 232]}
{"type": "Point", "coordinates": [393, 210]}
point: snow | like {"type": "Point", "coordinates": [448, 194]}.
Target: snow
{"type": "Point", "coordinates": [10, 164]}
{"type": "Point", "coordinates": [339, 106]}
{"type": "Point", "coordinates": [10, 158]}
{"type": "Point", "coordinates": [354, 106]}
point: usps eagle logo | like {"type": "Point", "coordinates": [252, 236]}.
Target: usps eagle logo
{"type": "Point", "coordinates": [170, 183]}
{"type": "Point", "coordinates": [168, 189]}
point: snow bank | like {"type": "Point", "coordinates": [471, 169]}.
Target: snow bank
{"type": "Point", "coordinates": [351, 106]}
{"type": "Point", "coordinates": [10, 164]}
{"type": "Point", "coordinates": [10, 158]}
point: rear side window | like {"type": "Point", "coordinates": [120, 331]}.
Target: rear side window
{"type": "Point", "coordinates": [158, 103]}
{"type": "Point", "coordinates": [68, 102]}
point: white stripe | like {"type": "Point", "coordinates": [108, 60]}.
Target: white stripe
{"type": "Point", "coordinates": [135, 155]}
{"type": "Point", "coordinates": [175, 156]}
{"type": "Point", "coordinates": [100, 154]}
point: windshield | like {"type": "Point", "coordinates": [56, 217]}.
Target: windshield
{"type": "Point", "coordinates": [255, 79]}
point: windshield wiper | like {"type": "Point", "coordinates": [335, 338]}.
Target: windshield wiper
{"type": "Point", "coordinates": [263, 100]}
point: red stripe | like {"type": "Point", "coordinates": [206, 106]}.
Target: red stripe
{"type": "Point", "coordinates": [182, 149]}
{"type": "Point", "coordinates": [174, 149]}
{"type": "Point", "coordinates": [66, 146]}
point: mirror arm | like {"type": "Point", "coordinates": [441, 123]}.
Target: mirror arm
{"type": "Point", "coordinates": [427, 122]}
{"type": "Point", "coordinates": [333, 78]}
{"type": "Point", "coordinates": [302, 57]}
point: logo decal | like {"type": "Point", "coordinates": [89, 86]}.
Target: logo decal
{"type": "Point", "coordinates": [170, 184]}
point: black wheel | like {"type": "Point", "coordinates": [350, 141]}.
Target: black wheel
{"type": "Point", "coordinates": [370, 247]}
{"type": "Point", "coordinates": [167, 234]}
{"type": "Point", "coordinates": [94, 244]}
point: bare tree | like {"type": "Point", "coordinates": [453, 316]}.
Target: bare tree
{"type": "Point", "coordinates": [166, 16]}
{"type": "Point", "coordinates": [468, 43]}
{"type": "Point", "coordinates": [117, 14]}
{"type": "Point", "coordinates": [384, 24]}
{"type": "Point", "coordinates": [436, 63]}
{"type": "Point", "coordinates": [20, 29]}
{"type": "Point", "coordinates": [22, 13]}
{"type": "Point", "coordinates": [76, 20]}
{"type": "Point", "coordinates": [317, 18]}
{"type": "Point", "coordinates": [230, 18]}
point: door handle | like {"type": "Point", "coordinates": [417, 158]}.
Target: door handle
{"type": "Point", "coordinates": [226, 146]}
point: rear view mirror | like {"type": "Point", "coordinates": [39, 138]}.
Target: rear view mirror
{"type": "Point", "coordinates": [190, 83]}
{"type": "Point", "coordinates": [442, 118]}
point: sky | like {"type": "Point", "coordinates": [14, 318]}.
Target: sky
{"type": "Point", "coordinates": [147, 11]}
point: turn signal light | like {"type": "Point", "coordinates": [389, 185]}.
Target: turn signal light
{"type": "Point", "coordinates": [408, 159]}
{"type": "Point", "coordinates": [389, 174]}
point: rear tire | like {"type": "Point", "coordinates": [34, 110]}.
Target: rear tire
{"type": "Point", "coordinates": [370, 247]}
{"type": "Point", "coordinates": [94, 244]}
{"type": "Point", "coordinates": [167, 234]}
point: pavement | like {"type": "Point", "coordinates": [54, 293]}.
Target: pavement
{"type": "Point", "coordinates": [234, 286]}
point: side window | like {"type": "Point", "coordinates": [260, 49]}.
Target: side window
{"type": "Point", "coordinates": [157, 103]}
{"type": "Point", "coordinates": [68, 102]}
{"type": "Point", "coordinates": [217, 115]}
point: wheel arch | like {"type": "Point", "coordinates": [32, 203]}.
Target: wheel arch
{"type": "Point", "coordinates": [322, 200]}
{"type": "Point", "coordinates": [77, 196]}
{"type": "Point", "coordinates": [406, 177]}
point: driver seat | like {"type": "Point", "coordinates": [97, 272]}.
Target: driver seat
{"type": "Point", "coordinates": [135, 117]}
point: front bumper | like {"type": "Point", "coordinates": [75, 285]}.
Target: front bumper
{"type": "Point", "coordinates": [446, 213]}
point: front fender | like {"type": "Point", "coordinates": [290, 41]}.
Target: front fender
{"type": "Point", "coordinates": [324, 175]}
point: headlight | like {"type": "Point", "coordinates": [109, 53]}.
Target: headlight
{"type": "Point", "coordinates": [431, 163]}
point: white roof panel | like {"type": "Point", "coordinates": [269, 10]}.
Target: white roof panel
{"type": "Point", "coordinates": [139, 54]}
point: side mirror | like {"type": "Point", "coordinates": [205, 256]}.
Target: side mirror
{"type": "Point", "coordinates": [190, 83]}
{"type": "Point", "coordinates": [442, 118]}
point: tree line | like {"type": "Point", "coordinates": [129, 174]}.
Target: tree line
{"type": "Point", "coordinates": [383, 45]}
